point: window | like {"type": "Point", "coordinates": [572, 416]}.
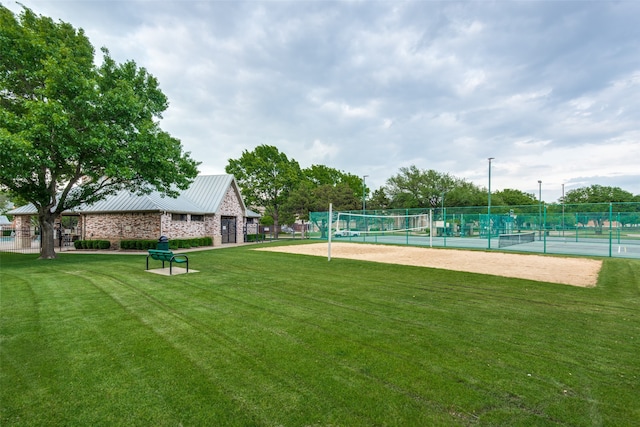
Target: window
{"type": "Point", "coordinates": [197, 218]}
{"type": "Point", "coordinates": [178, 217]}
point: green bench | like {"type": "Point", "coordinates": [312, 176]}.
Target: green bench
{"type": "Point", "coordinates": [168, 256]}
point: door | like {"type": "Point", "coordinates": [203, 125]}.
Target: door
{"type": "Point", "coordinates": [228, 229]}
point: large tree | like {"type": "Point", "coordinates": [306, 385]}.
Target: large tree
{"type": "Point", "coordinates": [416, 188]}
{"type": "Point", "coordinates": [598, 194]}
{"type": "Point", "coordinates": [319, 186]}
{"type": "Point", "coordinates": [320, 175]}
{"type": "Point", "coordinates": [512, 197]}
{"type": "Point", "coordinates": [379, 200]}
{"type": "Point", "coordinates": [587, 202]}
{"type": "Point", "coordinates": [73, 132]}
{"type": "Point", "coordinates": [266, 178]}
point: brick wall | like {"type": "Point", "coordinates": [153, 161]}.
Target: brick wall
{"type": "Point", "coordinates": [152, 225]}
{"type": "Point", "coordinates": [115, 227]}
{"type": "Point", "coordinates": [175, 229]}
{"type": "Point", "coordinates": [231, 206]}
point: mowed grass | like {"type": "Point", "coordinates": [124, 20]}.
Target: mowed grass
{"type": "Point", "coordinates": [270, 339]}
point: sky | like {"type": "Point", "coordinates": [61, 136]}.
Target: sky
{"type": "Point", "coordinates": [549, 89]}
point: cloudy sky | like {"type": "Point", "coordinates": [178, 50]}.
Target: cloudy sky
{"type": "Point", "coordinates": [550, 89]}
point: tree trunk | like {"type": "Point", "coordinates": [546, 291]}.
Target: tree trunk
{"type": "Point", "coordinates": [276, 224]}
{"type": "Point", "coordinates": [47, 236]}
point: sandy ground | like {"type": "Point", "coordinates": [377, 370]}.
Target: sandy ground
{"type": "Point", "coordinates": [569, 271]}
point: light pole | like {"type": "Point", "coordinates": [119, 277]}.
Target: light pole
{"type": "Point", "coordinates": [364, 203]}
{"type": "Point", "coordinates": [489, 206]}
{"type": "Point", "coordinates": [540, 208]}
{"type": "Point", "coordinates": [562, 210]}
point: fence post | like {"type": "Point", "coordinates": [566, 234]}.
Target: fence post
{"type": "Point", "coordinates": [430, 228]}
{"type": "Point", "coordinates": [610, 227]}
{"type": "Point", "coordinates": [406, 224]}
{"type": "Point", "coordinates": [545, 228]}
{"type": "Point", "coordinates": [444, 226]}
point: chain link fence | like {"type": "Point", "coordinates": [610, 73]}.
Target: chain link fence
{"type": "Point", "coordinates": [598, 229]}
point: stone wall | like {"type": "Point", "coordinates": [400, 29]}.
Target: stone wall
{"type": "Point", "coordinates": [23, 231]}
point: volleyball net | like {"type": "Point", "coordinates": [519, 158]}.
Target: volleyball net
{"type": "Point", "coordinates": [358, 224]}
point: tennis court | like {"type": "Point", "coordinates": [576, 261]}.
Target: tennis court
{"type": "Point", "coordinates": [602, 230]}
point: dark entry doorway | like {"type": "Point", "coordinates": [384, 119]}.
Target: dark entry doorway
{"type": "Point", "coordinates": [228, 229]}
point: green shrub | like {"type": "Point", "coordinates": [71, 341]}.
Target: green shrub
{"type": "Point", "coordinates": [92, 244]}
{"type": "Point", "coordinates": [255, 237]}
{"type": "Point", "coordinates": [143, 245]}
{"type": "Point", "coordinates": [138, 244]}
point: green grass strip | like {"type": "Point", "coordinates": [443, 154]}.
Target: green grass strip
{"type": "Point", "coordinates": [270, 339]}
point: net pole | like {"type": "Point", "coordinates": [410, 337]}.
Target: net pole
{"type": "Point", "coordinates": [545, 229]}
{"type": "Point", "coordinates": [431, 228]}
{"type": "Point", "coordinates": [444, 225]}
{"type": "Point", "coordinates": [406, 224]}
{"type": "Point", "coordinates": [330, 232]}
{"type": "Point", "coordinates": [610, 225]}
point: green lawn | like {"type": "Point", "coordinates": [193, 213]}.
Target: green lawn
{"type": "Point", "coordinates": [269, 339]}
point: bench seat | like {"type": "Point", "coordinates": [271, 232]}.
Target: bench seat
{"type": "Point", "coordinates": [168, 256]}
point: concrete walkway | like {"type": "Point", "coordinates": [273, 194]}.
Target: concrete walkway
{"type": "Point", "coordinates": [145, 253]}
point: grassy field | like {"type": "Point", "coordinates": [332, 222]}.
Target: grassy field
{"type": "Point", "coordinates": [269, 339]}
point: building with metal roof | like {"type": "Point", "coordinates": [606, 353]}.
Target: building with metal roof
{"type": "Point", "coordinates": [212, 206]}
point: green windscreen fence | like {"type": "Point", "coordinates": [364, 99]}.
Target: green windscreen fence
{"type": "Point", "coordinates": [599, 229]}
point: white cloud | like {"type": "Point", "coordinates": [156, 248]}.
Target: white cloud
{"type": "Point", "coordinates": [369, 87]}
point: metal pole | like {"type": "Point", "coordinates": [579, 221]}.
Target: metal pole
{"type": "Point", "coordinates": [430, 228]}
{"type": "Point", "coordinates": [364, 203]}
{"type": "Point", "coordinates": [610, 226]}
{"type": "Point", "coordinates": [545, 234]}
{"type": "Point", "coordinates": [562, 210]}
{"type": "Point", "coordinates": [489, 206]}
{"type": "Point", "coordinates": [329, 236]}
{"type": "Point", "coordinates": [364, 206]}
{"type": "Point", "coordinates": [540, 208]}
{"type": "Point", "coordinates": [444, 226]}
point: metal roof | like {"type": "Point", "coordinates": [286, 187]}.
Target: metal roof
{"type": "Point", "coordinates": [203, 196]}
{"type": "Point", "coordinates": [208, 191]}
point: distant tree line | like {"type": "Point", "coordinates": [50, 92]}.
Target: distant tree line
{"type": "Point", "coordinates": [276, 185]}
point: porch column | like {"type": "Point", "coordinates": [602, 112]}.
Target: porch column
{"type": "Point", "coordinates": [23, 231]}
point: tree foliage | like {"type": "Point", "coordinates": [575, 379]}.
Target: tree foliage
{"type": "Point", "coordinates": [266, 178]}
{"type": "Point", "coordinates": [512, 197]}
{"type": "Point", "coordinates": [72, 132]}
{"type": "Point", "coordinates": [379, 200]}
{"type": "Point", "coordinates": [340, 196]}
{"type": "Point", "coordinates": [416, 188]}
{"type": "Point", "coordinates": [598, 194]}
{"type": "Point", "coordinates": [320, 175]}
